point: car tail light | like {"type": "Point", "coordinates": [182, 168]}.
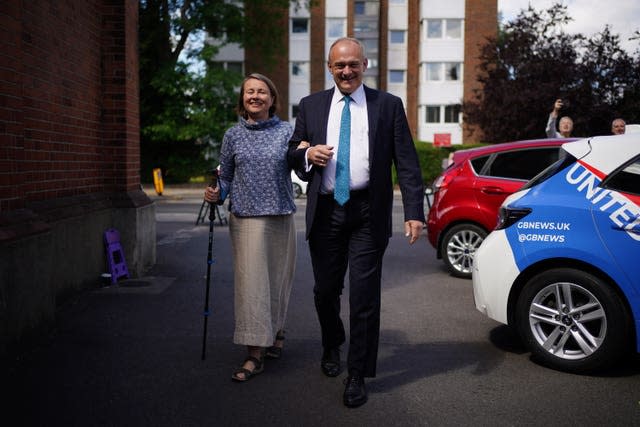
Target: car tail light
{"type": "Point", "coordinates": [444, 179]}
{"type": "Point", "coordinates": [507, 216]}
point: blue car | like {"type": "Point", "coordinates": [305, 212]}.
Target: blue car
{"type": "Point", "coordinates": [563, 264]}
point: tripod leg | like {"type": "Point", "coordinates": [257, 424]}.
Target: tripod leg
{"type": "Point", "coordinates": [202, 214]}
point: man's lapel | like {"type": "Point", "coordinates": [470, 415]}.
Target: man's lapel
{"type": "Point", "coordinates": [373, 111]}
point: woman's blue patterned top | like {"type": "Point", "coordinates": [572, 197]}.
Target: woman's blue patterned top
{"type": "Point", "coordinates": [254, 169]}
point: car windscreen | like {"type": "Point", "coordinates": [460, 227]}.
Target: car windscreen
{"type": "Point", "coordinates": [564, 161]}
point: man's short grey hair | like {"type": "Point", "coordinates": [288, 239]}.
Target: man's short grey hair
{"type": "Point", "coordinates": [350, 39]}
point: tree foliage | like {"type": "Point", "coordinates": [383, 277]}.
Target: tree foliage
{"type": "Point", "coordinates": [186, 101]}
{"type": "Point", "coordinates": [533, 62]}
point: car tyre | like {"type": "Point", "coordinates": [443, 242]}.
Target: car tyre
{"type": "Point", "coordinates": [458, 247]}
{"type": "Point", "coordinates": [297, 190]}
{"type": "Point", "coordinates": [572, 321]}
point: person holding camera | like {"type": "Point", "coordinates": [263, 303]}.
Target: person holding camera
{"type": "Point", "coordinates": [255, 175]}
{"type": "Point", "coordinates": [565, 126]}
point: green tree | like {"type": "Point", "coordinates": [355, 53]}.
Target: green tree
{"type": "Point", "coordinates": [533, 62]}
{"type": "Point", "coordinates": [186, 102]}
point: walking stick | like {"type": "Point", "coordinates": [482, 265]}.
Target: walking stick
{"type": "Point", "coordinates": [212, 217]}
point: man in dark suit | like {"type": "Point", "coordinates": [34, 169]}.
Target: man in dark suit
{"type": "Point", "coordinates": [353, 229]}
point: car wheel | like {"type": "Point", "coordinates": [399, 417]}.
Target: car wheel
{"type": "Point", "coordinates": [459, 245]}
{"type": "Point", "coordinates": [297, 190]}
{"type": "Point", "coordinates": [572, 320]}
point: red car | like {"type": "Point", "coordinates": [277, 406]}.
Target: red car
{"type": "Point", "coordinates": [469, 192]}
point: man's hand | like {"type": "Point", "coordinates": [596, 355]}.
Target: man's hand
{"type": "Point", "coordinates": [412, 230]}
{"type": "Point", "coordinates": [557, 106]}
{"type": "Point", "coordinates": [319, 155]}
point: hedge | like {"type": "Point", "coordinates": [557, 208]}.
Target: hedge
{"type": "Point", "coordinates": [431, 158]}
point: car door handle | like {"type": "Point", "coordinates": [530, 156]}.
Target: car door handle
{"type": "Point", "coordinates": [492, 190]}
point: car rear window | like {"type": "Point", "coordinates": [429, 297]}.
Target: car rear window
{"type": "Point", "coordinates": [479, 162]}
{"type": "Point", "coordinates": [518, 164]}
{"type": "Point", "coordinates": [627, 179]}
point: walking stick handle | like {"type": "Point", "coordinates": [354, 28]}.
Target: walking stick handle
{"type": "Point", "coordinates": [212, 184]}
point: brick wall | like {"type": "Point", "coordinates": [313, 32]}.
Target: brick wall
{"type": "Point", "coordinates": [481, 18]}
{"type": "Point", "coordinates": [69, 154]}
{"type": "Point", "coordinates": [69, 113]}
{"type": "Point", "coordinates": [318, 58]}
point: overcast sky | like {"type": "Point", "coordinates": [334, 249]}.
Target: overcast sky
{"type": "Point", "coordinates": [589, 16]}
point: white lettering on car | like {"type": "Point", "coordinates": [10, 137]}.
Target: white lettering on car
{"type": "Point", "coordinates": [546, 225]}
{"type": "Point", "coordinates": [622, 212]}
{"type": "Point", "coordinates": [557, 238]}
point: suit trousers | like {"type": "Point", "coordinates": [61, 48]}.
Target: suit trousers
{"type": "Point", "coordinates": [341, 239]}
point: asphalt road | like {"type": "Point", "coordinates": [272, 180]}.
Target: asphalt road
{"type": "Point", "coordinates": [129, 355]}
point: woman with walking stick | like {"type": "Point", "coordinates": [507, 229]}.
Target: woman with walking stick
{"type": "Point", "coordinates": [255, 176]}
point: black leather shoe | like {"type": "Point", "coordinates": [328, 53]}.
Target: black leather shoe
{"type": "Point", "coordinates": [355, 393]}
{"type": "Point", "coordinates": [330, 363]}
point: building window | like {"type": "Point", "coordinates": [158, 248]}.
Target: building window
{"type": "Point", "coordinates": [434, 28]}
{"type": "Point", "coordinates": [366, 22]}
{"type": "Point", "coordinates": [237, 67]}
{"type": "Point", "coordinates": [434, 71]}
{"type": "Point", "coordinates": [439, 71]}
{"type": "Point", "coordinates": [299, 70]}
{"type": "Point", "coordinates": [234, 66]}
{"type": "Point", "coordinates": [454, 28]}
{"type": "Point", "coordinates": [299, 26]}
{"type": "Point", "coordinates": [365, 26]}
{"type": "Point", "coordinates": [452, 113]}
{"type": "Point", "coordinates": [396, 36]}
{"type": "Point", "coordinates": [396, 76]}
{"type": "Point", "coordinates": [452, 70]}
{"type": "Point", "coordinates": [366, 8]}
{"type": "Point", "coordinates": [433, 114]}
{"type": "Point", "coordinates": [370, 46]}
{"type": "Point", "coordinates": [444, 28]}
{"type": "Point", "coordinates": [335, 28]}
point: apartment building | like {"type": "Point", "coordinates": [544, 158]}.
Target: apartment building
{"type": "Point", "coordinates": [424, 51]}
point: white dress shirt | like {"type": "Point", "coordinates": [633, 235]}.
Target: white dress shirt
{"type": "Point", "coordinates": [359, 152]}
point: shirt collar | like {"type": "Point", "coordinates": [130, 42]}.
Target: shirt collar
{"type": "Point", "coordinates": [357, 96]}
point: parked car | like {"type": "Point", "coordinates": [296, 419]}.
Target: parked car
{"type": "Point", "coordinates": [562, 265]}
{"type": "Point", "coordinates": [467, 195]}
{"type": "Point", "coordinates": [299, 186]}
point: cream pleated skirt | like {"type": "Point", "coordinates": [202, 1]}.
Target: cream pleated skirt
{"type": "Point", "coordinates": [264, 253]}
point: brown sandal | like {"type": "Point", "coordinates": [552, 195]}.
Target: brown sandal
{"type": "Point", "coordinates": [258, 367]}
{"type": "Point", "coordinates": [275, 352]}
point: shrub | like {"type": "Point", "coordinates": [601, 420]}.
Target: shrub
{"type": "Point", "coordinates": [431, 158]}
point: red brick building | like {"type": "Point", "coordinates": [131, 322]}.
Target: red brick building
{"type": "Point", "coordinates": [69, 162]}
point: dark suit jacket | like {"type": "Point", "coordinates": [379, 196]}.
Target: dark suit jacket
{"type": "Point", "coordinates": [389, 141]}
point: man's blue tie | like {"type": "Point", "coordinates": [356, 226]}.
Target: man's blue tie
{"type": "Point", "coordinates": [341, 190]}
